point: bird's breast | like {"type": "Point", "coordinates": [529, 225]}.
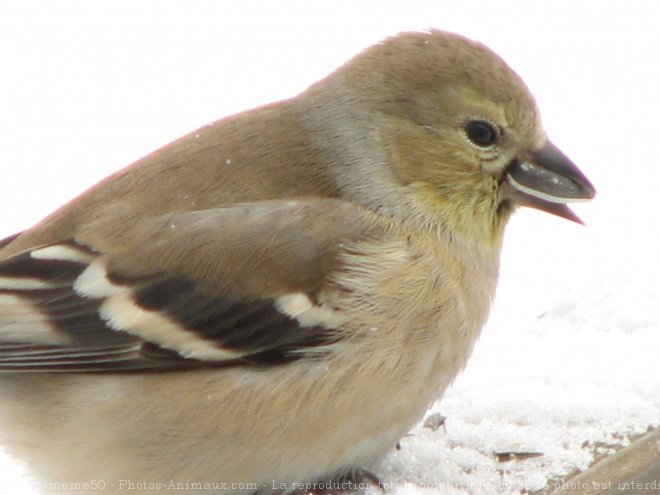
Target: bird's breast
{"type": "Point", "coordinates": [415, 307]}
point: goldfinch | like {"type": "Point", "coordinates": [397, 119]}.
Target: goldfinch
{"type": "Point", "coordinates": [276, 298]}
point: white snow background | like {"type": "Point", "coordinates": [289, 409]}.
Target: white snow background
{"type": "Point", "coordinates": [568, 364]}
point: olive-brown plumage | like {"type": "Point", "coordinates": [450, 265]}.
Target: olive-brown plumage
{"type": "Point", "coordinates": [276, 297]}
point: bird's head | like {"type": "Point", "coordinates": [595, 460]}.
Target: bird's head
{"type": "Point", "coordinates": [460, 131]}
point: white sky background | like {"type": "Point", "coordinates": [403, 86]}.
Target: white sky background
{"type": "Point", "coordinates": [88, 87]}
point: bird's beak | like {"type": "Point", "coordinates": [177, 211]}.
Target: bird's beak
{"type": "Point", "coordinates": [547, 179]}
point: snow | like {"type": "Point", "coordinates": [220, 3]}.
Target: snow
{"type": "Point", "coordinates": [558, 387]}
{"type": "Point", "coordinates": [567, 366]}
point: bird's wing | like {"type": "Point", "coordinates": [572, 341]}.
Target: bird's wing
{"type": "Point", "coordinates": [8, 240]}
{"type": "Point", "coordinates": [223, 287]}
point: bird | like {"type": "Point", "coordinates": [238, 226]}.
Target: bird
{"type": "Point", "coordinates": [273, 300]}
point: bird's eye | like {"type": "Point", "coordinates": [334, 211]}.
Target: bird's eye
{"type": "Point", "coordinates": [481, 133]}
